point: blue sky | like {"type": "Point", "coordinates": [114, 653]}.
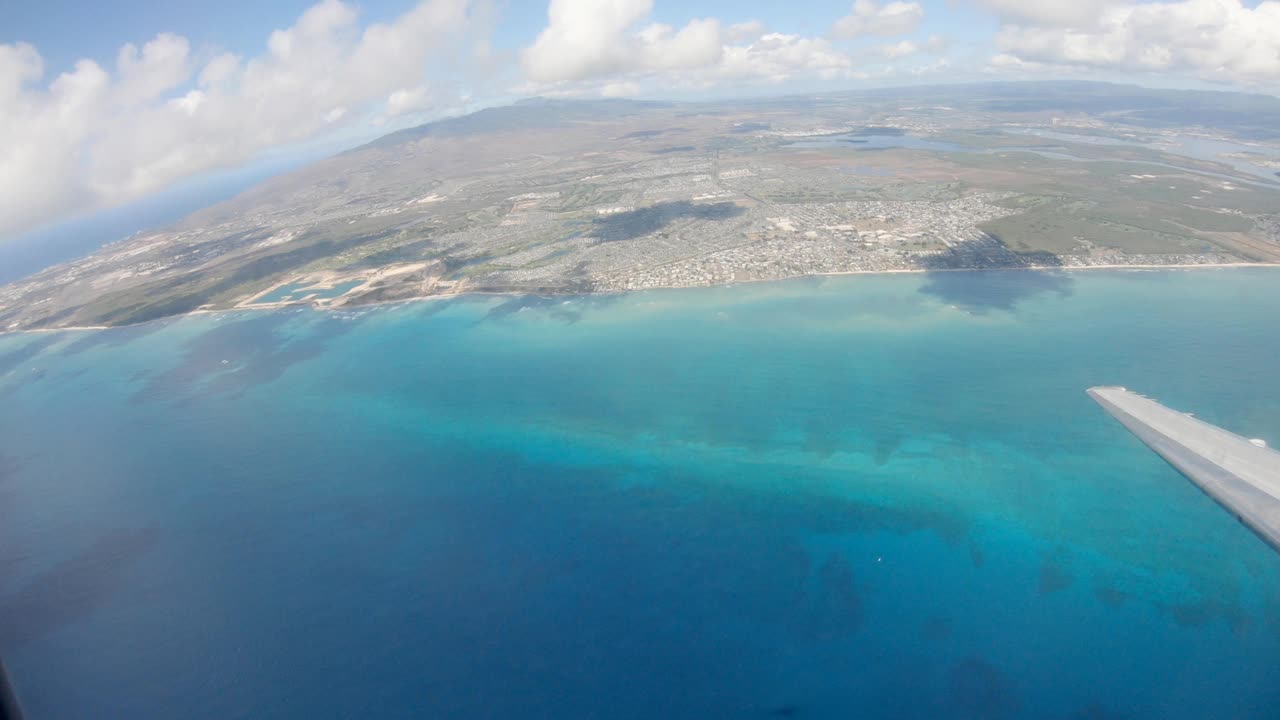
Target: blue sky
{"type": "Point", "coordinates": [67, 30]}
{"type": "Point", "coordinates": [103, 105]}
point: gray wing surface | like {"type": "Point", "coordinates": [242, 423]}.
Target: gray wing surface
{"type": "Point", "coordinates": [1242, 475]}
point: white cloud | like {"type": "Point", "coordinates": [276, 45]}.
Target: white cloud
{"type": "Point", "coordinates": [1047, 12]}
{"type": "Point", "coordinates": [892, 51]}
{"type": "Point", "coordinates": [587, 39]}
{"type": "Point", "coordinates": [777, 57]}
{"type": "Point", "coordinates": [408, 100]}
{"type": "Point", "coordinates": [1004, 62]}
{"type": "Point", "coordinates": [869, 17]}
{"type": "Point", "coordinates": [40, 165]}
{"type": "Point", "coordinates": [937, 66]}
{"type": "Point", "coordinates": [902, 48]}
{"type": "Point", "coordinates": [1222, 40]}
{"type": "Point", "coordinates": [94, 137]}
{"type": "Point", "coordinates": [625, 88]}
{"type": "Point", "coordinates": [161, 66]}
{"type": "Point", "coordinates": [745, 32]}
{"type": "Point", "coordinates": [906, 48]}
{"type": "Point", "coordinates": [606, 47]}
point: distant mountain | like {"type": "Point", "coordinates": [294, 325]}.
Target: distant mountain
{"type": "Point", "coordinates": [528, 114]}
{"type": "Point", "coordinates": [551, 195]}
{"type": "Point", "coordinates": [1248, 115]}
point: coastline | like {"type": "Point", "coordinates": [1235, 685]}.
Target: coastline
{"type": "Point", "coordinates": [453, 295]}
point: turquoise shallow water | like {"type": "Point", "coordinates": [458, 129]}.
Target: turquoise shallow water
{"type": "Point", "coordinates": [876, 497]}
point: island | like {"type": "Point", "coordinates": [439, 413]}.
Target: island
{"type": "Point", "coordinates": [551, 196]}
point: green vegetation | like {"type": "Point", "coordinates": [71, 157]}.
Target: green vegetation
{"type": "Point", "coordinates": [560, 196]}
{"type": "Point", "coordinates": [1064, 226]}
{"type": "Point", "coordinates": [583, 196]}
{"type": "Point", "coordinates": [225, 282]}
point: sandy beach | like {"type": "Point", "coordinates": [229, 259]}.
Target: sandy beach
{"type": "Point", "coordinates": [331, 303]}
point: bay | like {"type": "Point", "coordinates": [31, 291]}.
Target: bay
{"type": "Point", "coordinates": [867, 496]}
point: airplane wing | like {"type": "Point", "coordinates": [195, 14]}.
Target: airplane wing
{"type": "Point", "coordinates": [1242, 475]}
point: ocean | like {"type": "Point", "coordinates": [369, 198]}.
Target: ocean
{"type": "Point", "coordinates": [843, 497]}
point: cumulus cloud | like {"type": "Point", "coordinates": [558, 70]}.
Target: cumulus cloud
{"type": "Point", "coordinates": [587, 39]}
{"type": "Point", "coordinates": [94, 136]}
{"type": "Point", "coordinates": [607, 47]}
{"type": "Point", "coordinates": [625, 88]}
{"type": "Point", "coordinates": [776, 57]}
{"type": "Point", "coordinates": [907, 48]}
{"type": "Point", "coordinates": [745, 32]}
{"type": "Point", "coordinates": [902, 48]}
{"type": "Point", "coordinates": [1221, 40]}
{"type": "Point", "coordinates": [1052, 13]}
{"type": "Point", "coordinates": [869, 17]}
{"type": "Point", "coordinates": [408, 100]}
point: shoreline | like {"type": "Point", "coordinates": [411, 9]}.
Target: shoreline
{"type": "Point", "coordinates": [512, 293]}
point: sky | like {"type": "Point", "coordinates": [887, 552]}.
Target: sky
{"type": "Point", "coordinates": [104, 105]}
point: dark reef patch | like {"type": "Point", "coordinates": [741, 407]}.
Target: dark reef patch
{"type": "Point", "coordinates": [978, 689]}
{"type": "Point", "coordinates": [558, 307]}
{"type": "Point", "coordinates": [1097, 711]}
{"type": "Point", "coordinates": [1191, 615]}
{"type": "Point", "coordinates": [111, 337]}
{"type": "Point", "coordinates": [1055, 574]}
{"type": "Point", "coordinates": [937, 629]}
{"type": "Point", "coordinates": [976, 556]}
{"type": "Point", "coordinates": [1200, 613]}
{"type": "Point", "coordinates": [831, 608]}
{"type": "Point", "coordinates": [886, 446]}
{"type": "Point", "coordinates": [1110, 596]}
{"type": "Point", "coordinates": [238, 354]}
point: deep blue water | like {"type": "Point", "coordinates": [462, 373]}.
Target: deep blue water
{"type": "Point", "coordinates": [870, 497]}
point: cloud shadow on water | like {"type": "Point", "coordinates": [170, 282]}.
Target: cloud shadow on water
{"type": "Point", "coordinates": [9, 469]}
{"type": "Point", "coordinates": [15, 358]}
{"type": "Point", "coordinates": [637, 223]}
{"type": "Point", "coordinates": [1021, 277]}
{"type": "Point", "coordinates": [72, 589]}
